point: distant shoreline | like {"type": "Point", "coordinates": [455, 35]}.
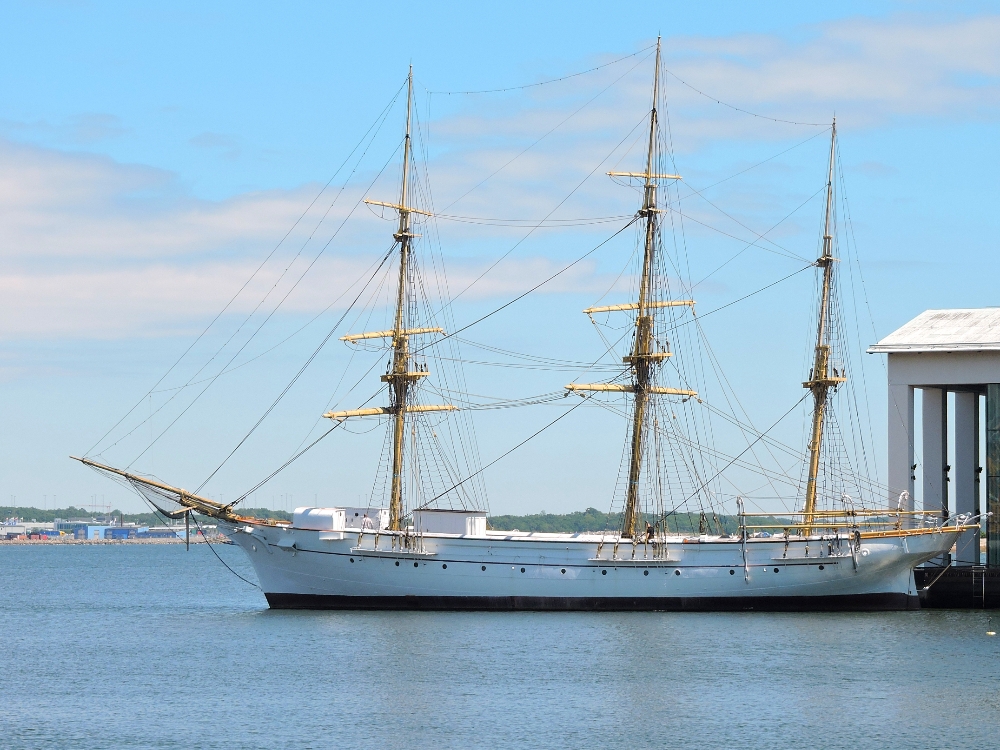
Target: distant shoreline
{"type": "Point", "coordinates": [64, 541]}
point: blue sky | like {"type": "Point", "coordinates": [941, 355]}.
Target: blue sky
{"type": "Point", "coordinates": [151, 157]}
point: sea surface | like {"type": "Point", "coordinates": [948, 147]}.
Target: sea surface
{"type": "Point", "coordinates": [131, 646]}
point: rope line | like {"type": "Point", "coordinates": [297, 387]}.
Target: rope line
{"type": "Point", "coordinates": [744, 297]}
{"type": "Point", "coordinates": [738, 455]}
{"type": "Point", "coordinates": [281, 468]}
{"type": "Point", "coordinates": [214, 320]}
{"type": "Point", "coordinates": [546, 135]}
{"type": "Point", "coordinates": [504, 455]}
{"type": "Point", "coordinates": [534, 288]}
{"type": "Point", "coordinates": [739, 109]}
{"type": "Point", "coordinates": [205, 537]}
{"type": "Point", "coordinates": [543, 83]}
{"type": "Point", "coordinates": [268, 316]}
{"type": "Point", "coordinates": [302, 369]}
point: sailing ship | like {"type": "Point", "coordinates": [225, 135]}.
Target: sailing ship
{"type": "Point", "coordinates": [416, 554]}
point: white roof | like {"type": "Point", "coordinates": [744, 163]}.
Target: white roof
{"type": "Point", "coordinates": [972, 330]}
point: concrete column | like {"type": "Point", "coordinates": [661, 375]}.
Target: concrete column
{"type": "Point", "coordinates": [900, 441]}
{"type": "Point", "coordinates": [964, 473]}
{"type": "Point", "coordinates": [978, 436]}
{"type": "Point", "coordinates": [993, 474]}
{"type": "Point", "coordinates": [935, 439]}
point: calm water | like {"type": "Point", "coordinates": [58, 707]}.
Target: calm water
{"type": "Point", "coordinates": [149, 646]}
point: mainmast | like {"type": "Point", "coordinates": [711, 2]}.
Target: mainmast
{"type": "Point", "coordinates": [399, 377]}
{"type": "Point", "coordinates": [820, 380]}
{"type": "Point", "coordinates": [643, 360]}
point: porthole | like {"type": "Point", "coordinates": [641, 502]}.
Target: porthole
{"type": "Point", "coordinates": [821, 567]}
{"type": "Point", "coordinates": [604, 572]}
{"type": "Point", "coordinates": [352, 559]}
{"type": "Point", "coordinates": [445, 566]}
{"type": "Point", "coordinates": [563, 570]}
{"type": "Point", "coordinates": [484, 567]}
{"type": "Point", "coordinates": [522, 570]}
{"type": "Point", "coordinates": [415, 564]}
{"type": "Point", "coordinates": [645, 572]}
{"type": "Point", "coordinates": [677, 572]}
{"type": "Point", "coordinates": [732, 572]}
{"type": "Point", "coordinates": [397, 563]}
{"type": "Point", "coordinates": [775, 570]}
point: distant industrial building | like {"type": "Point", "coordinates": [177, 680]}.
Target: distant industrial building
{"type": "Point", "coordinates": [84, 530]}
{"type": "Point", "coordinates": [19, 529]}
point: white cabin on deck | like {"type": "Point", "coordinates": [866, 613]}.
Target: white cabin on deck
{"type": "Point", "coordinates": [340, 519]}
{"type": "Point", "coordinates": [463, 522]}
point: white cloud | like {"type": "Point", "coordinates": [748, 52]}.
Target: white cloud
{"type": "Point", "coordinates": [94, 248]}
{"type": "Point", "coordinates": [75, 206]}
{"type": "Point", "coordinates": [868, 70]}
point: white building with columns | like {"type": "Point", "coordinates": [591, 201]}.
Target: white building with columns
{"type": "Point", "coordinates": [941, 352]}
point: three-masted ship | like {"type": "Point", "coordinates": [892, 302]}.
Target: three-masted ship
{"type": "Point", "coordinates": [428, 557]}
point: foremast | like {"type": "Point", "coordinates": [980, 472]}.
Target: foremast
{"type": "Point", "coordinates": [820, 379]}
{"type": "Point", "coordinates": [400, 376]}
{"type": "Point", "coordinates": [644, 359]}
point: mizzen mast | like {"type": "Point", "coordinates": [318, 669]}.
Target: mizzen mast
{"type": "Point", "coordinates": [643, 359]}
{"type": "Point", "coordinates": [400, 377]}
{"type": "Point", "coordinates": [820, 379]}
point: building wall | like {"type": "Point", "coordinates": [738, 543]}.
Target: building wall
{"type": "Point", "coordinates": [941, 369]}
{"type": "Point", "coordinates": [960, 372]}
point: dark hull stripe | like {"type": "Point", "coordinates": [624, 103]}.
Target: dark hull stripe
{"type": "Point", "coordinates": [852, 603]}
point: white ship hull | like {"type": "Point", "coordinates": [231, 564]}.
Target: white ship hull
{"type": "Point", "coordinates": [309, 569]}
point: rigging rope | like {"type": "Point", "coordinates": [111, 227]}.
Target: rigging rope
{"type": "Point", "coordinates": [546, 135]}
{"type": "Point", "coordinates": [739, 109]}
{"type": "Point", "coordinates": [285, 340]}
{"type": "Point", "coordinates": [792, 256]}
{"type": "Point", "coordinates": [739, 455]}
{"type": "Point", "coordinates": [504, 455]}
{"type": "Point", "coordinates": [544, 83]}
{"type": "Point", "coordinates": [614, 62]}
{"type": "Point", "coordinates": [284, 466]}
{"type": "Point", "coordinates": [269, 315]}
{"type": "Point", "coordinates": [754, 166]}
{"type": "Point", "coordinates": [517, 244]}
{"type": "Point", "coordinates": [170, 369]}
{"type": "Point", "coordinates": [541, 223]}
{"type": "Point", "coordinates": [205, 537]}
{"type": "Point", "coordinates": [302, 369]}
{"type": "Point", "coordinates": [744, 297]}
{"type": "Point", "coordinates": [533, 289]}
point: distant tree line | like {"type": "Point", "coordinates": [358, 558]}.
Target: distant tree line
{"type": "Point", "coordinates": [592, 519]}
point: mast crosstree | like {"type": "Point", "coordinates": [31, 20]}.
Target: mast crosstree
{"type": "Point", "coordinates": [400, 377]}
{"type": "Point", "coordinates": [643, 359]}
